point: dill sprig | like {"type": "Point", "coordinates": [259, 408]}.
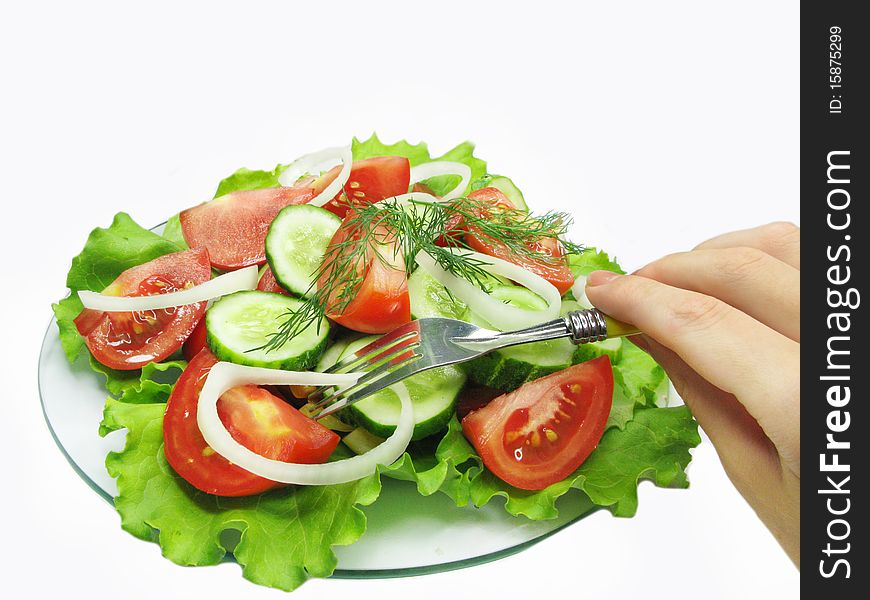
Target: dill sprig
{"type": "Point", "coordinates": [394, 233]}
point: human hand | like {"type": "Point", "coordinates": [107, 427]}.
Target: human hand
{"type": "Point", "coordinates": [724, 321]}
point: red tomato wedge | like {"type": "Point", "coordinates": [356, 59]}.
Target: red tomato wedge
{"type": "Point", "coordinates": [129, 340]}
{"type": "Point", "coordinates": [371, 180]}
{"type": "Point", "coordinates": [491, 196]}
{"type": "Point", "coordinates": [268, 283]}
{"type": "Point", "coordinates": [254, 417]}
{"type": "Point", "coordinates": [556, 271]}
{"type": "Point", "coordinates": [484, 197]}
{"type": "Point", "coordinates": [381, 302]}
{"type": "Point", "coordinates": [540, 433]}
{"type": "Point", "coordinates": [195, 342]}
{"type": "Point", "coordinates": [233, 227]}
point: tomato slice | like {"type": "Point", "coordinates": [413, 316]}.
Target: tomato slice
{"type": "Point", "coordinates": [556, 271]}
{"type": "Point", "coordinates": [195, 342]}
{"type": "Point", "coordinates": [371, 180]}
{"type": "Point", "coordinates": [540, 433]}
{"type": "Point", "coordinates": [129, 340]}
{"type": "Point", "coordinates": [381, 302]}
{"type": "Point", "coordinates": [484, 197]}
{"type": "Point", "coordinates": [255, 418]}
{"type": "Point", "coordinates": [268, 283]}
{"type": "Point", "coordinates": [269, 426]}
{"type": "Point", "coordinates": [490, 196]}
{"type": "Point", "coordinates": [233, 227]}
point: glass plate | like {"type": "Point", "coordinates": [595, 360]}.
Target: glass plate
{"type": "Point", "coordinates": [407, 534]}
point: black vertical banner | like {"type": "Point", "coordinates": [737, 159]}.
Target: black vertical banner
{"type": "Point", "coordinates": [835, 362]}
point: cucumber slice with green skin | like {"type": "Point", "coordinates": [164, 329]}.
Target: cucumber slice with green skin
{"type": "Point", "coordinates": [431, 299]}
{"type": "Point", "coordinates": [352, 345]}
{"type": "Point", "coordinates": [296, 243]}
{"type": "Point", "coordinates": [361, 441]}
{"type": "Point", "coordinates": [505, 186]}
{"type": "Point", "coordinates": [611, 347]}
{"type": "Point", "coordinates": [509, 368]}
{"type": "Point", "coordinates": [434, 394]}
{"type": "Point", "coordinates": [332, 354]}
{"type": "Point", "coordinates": [518, 296]}
{"type": "Point", "coordinates": [241, 321]}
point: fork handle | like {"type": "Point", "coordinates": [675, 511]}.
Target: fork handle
{"type": "Point", "coordinates": [592, 325]}
{"type": "Point", "coordinates": [581, 326]}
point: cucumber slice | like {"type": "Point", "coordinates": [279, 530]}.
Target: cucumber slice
{"type": "Point", "coordinates": [434, 394]}
{"type": "Point", "coordinates": [239, 322]}
{"type": "Point", "coordinates": [332, 354]}
{"type": "Point", "coordinates": [361, 441]}
{"type": "Point", "coordinates": [296, 243]}
{"type": "Point", "coordinates": [509, 368]}
{"type": "Point", "coordinates": [518, 296]}
{"type": "Point", "coordinates": [611, 347]}
{"type": "Point", "coordinates": [506, 186]}
{"type": "Point", "coordinates": [431, 299]}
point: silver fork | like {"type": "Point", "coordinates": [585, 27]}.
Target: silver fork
{"type": "Point", "coordinates": [437, 342]}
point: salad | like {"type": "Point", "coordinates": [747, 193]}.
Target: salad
{"type": "Point", "coordinates": [212, 334]}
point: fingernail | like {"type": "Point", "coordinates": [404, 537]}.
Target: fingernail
{"type": "Point", "coordinates": [601, 277]}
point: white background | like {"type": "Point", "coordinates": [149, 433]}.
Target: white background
{"type": "Point", "coordinates": [657, 124]}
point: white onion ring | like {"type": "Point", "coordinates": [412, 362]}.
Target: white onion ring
{"type": "Point", "coordinates": [503, 316]}
{"type": "Point", "coordinates": [443, 167]}
{"type": "Point", "coordinates": [578, 290]}
{"type": "Point", "coordinates": [307, 164]}
{"type": "Point", "coordinates": [234, 281]}
{"type": "Point", "coordinates": [224, 375]}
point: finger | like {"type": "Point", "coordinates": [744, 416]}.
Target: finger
{"type": "Point", "coordinates": [728, 348]}
{"type": "Point", "coordinates": [780, 240]}
{"type": "Point", "coordinates": [748, 279]}
{"type": "Point", "coordinates": [738, 438]}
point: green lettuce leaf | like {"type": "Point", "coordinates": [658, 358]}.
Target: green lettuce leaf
{"type": "Point", "coordinates": [592, 260]}
{"type": "Point", "coordinates": [247, 179]}
{"type": "Point", "coordinates": [285, 536]}
{"type": "Point", "coordinates": [622, 408]}
{"type": "Point", "coordinates": [654, 445]}
{"type": "Point", "coordinates": [440, 470]}
{"type": "Point", "coordinates": [639, 375]}
{"type": "Point", "coordinates": [373, 146]}
{"type": "Point", "coordinates": [107, 253]}
{"type": "Point", "coordinates": [172, 232]}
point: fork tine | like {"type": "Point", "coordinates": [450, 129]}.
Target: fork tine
{"type": "Point", "coordinates": [370, 353]}
{"type": "Point", "coordinates": [394, 360]}
{"type": "Point", "coordinates": [342, 399]}
{"type": "Point", "coordinates": [371, 377]}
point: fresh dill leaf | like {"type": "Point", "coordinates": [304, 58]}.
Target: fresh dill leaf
{"type": "Point", "coordinates": [393, 233]}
